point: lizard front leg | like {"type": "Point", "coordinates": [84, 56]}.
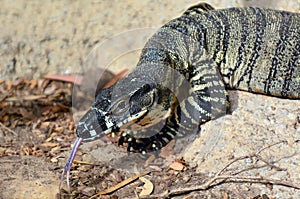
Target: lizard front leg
{"type": "Point", "coordinates": [207, 100]}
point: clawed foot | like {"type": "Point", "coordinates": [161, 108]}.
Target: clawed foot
{"type": "Point", "coordinates": [143, 145]}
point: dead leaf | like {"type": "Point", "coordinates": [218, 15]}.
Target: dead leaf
{"type": "Point", "coordinates": [36, 131]}
{"type": "Point", "coordinates": [26, 113]}
{"type": "Point", "coordinates": [9, 84]}
{"type": "Point", "coordinates": [54, 160]}
{"type": "Point", "coordinates": [45, 125]}
{"type": "Point", "coordinates": [2, 151]}
{"type": "Point", "coordinates": [225, 195]}
{"type": "Point", "coordinates": [147, 188]}
{"type": "Point", "coordinates": [55, 149]}
{"type": "Point", "coordinates": [75, 79]}
{"type": "Point", "coordinates": [116, 78]}
{"type": "Point", "coordinates": [59, 129]}
{"type": "Point", "coordinates": [3, 96]}
{"type": "Point", "coordinates": [49, 144]}
{"type": "Point", "coordinates": [26, 150]}
{"type": "Point", "coordinates": [54, 109]}
{"type": "Point", "coordinates": [177, 166]}
{"type": "Point", "coordinates": [50, 89]}
{"type": "Point", "coordinates": [181, 160]}
{"type": "Point", "coordinates": [33, 84]}
{"type": "Point", "coordinates": [26, 98]}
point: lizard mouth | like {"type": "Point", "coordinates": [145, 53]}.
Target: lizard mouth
{"type": "Point", "coordinates": [94, 125]}
{"type": "Point", "coordinates": [88, 134]}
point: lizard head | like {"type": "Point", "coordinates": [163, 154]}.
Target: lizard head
{"type": "Point", "coordinates": [131, 103]}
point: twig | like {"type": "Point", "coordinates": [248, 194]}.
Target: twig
{"type": "Point", "coordinates": [251, 156]}
{"type": "Point", "coordinates": [8, 129]}
{"type": "Point", "coordinates": [270, 164]}
{"type": "Point", "coordinates": [208, 184]}
{"type": "Point", "coordinates": [120, 185]}
{"type": "Point", "coordinates": [269, 146]}
{"type": "Point", "coordinates": [226, 178]}
{"type": "Point", "coordinates": [265, 161]}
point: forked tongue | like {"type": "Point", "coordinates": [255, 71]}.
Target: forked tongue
{"type": "Point", "coordinates": [68, 165]}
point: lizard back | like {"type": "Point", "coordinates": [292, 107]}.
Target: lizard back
{"type": "Point", "coordinates": [255, 49]}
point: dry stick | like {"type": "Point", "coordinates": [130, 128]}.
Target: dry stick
{"type": "Point", "coordinates": [8, 129]}
{"type": "Point", "coordinates": [265, 161]}
{"type": "Point", "coordinates": [208, 184]}
{"type": "Point", "coordinates": [119, 185]}
{"type": "Point", "coordinates": [271, 145]}
{"type": "Point", "coordinates": [260, 180]}
{"type": "Point", "coordinates": [224, 178]}
{"type": "Point", "coordinates": [270, 164]}
{"type": "Point", "coordinates": [249, 156]}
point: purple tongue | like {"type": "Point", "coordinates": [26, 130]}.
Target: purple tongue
{"type": "Point", "coordinates": [67, 167]}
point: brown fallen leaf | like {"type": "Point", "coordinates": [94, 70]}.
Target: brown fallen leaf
{"type": "Point", "coordinates": [120, 185]}
{"type": "Point", "coordinates": [26, 150]}
{"type": "Point", "coordinates": [9, 84]}
{"type": "Point", "coordinates": [2, 151]}
{"type": "Point", "coordinates": [50, 90]}
{"type": "Point", "coordinates": [45, 125]}
{"type": "Point", "coordinates": [59, 129]}
{"type": "Point", "coordinates": [3, 96]}
{"type": "Point", "coordinates": [225, 195]}
{"type": "Point", "coordinates": [54, 109]}
{"type": "Point", "coordinates": [49, 144]}
{"type": "Point", "coordinates": [26, 98]}
{"type": "Point", "coordinates": [33, 84]}
{"type": "Point", "coordinates": [75, 79]}
{"type": "Point", "coordinates": [147, 188]}
{"type": "Point", "coordinates": [177, 166]}
{"type": "Point", "coordinates": [26, 113]}
{"type": "Point", "coordinates": [54, 160]}
{"type": "Point", "coordinates": [116, 78]}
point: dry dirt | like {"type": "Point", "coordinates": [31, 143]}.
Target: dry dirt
{"type": "Point", "coordinates": [55, 37]}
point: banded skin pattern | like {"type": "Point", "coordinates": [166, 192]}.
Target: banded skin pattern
{"type": "Point", "coordinates": [186, 67]}
{"type": "Point", "coordinates": [185, 70]}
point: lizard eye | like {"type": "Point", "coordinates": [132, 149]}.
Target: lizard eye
{"type": "Point", "coordinates": [120, 107]}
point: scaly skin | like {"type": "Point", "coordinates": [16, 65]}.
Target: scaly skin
{"type": "Point", "coordinates": [186, 68]}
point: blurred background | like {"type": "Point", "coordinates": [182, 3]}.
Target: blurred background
{"type": "Point", "coordinates": [42, 37]}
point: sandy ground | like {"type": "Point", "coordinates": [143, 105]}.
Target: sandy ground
{"type": "Point", "coordinates": [42, 37]}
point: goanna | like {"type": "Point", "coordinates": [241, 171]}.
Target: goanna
{"type": "Point", "coordinates": [185, 70]}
